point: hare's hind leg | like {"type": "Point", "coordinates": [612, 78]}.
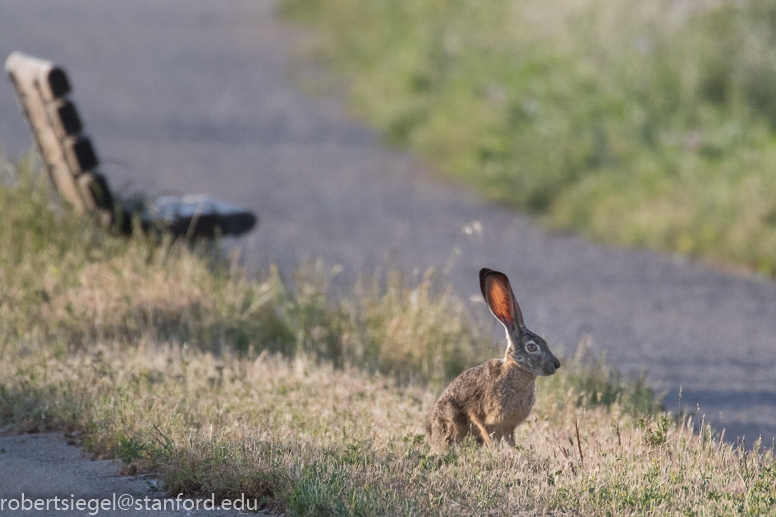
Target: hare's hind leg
{"type": "Point", "coordinates": [448, 425]}
{"type": "Point", "coordinates": [481, 428]}
{"type": "Point", "coordinates": [442, 426]}
{"type": "Point", "coordinates": [438, 434]}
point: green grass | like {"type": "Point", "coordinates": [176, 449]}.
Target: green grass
{"type": "Point", "coordinates": [644, 123]}
{"type": "Point", "coordinates": [175, 362]}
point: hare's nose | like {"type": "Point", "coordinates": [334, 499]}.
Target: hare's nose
{"type": "Point", "coordinates": [556, 363]}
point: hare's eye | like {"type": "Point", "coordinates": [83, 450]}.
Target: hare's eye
{"type": "Point", "coordinates": [531, 346]}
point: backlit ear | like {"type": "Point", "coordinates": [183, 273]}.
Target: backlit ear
{"type": "Point", "coordinates": [500, 299]}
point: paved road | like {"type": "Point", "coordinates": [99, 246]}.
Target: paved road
{"type": "Point", "coordinates": [198, 96]}
{"type": "Point", "coordinates": [37, 468]}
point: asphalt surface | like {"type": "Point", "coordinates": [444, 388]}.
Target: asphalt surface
{"type": "Point", "coordinates": [192, 96]}
{"type": "Point", "coordinates": [51, 478]}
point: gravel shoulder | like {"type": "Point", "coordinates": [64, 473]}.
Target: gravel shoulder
{"type": "Point", "coordinates": [190, 96]}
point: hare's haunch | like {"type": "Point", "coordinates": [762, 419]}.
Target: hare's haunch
{"type": "Point", "coordinates": [491, 399]}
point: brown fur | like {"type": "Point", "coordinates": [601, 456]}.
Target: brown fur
{"type": "Point", "coordinates": [491, 399]}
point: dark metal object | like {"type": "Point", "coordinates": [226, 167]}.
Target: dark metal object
{"type": "Point", "coordinates": [198, 216]}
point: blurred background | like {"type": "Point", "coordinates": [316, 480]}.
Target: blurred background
{"type": "Point", "coordinates": [643, 124]}
{"type": "Point", "coordinates": [639, 123]}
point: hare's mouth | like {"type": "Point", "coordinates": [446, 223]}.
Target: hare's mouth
{"type": "Point", "coordinates": [551, 368]}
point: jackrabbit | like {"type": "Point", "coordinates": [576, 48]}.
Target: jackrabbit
{"type": "Point", "coordinates": [491, 399]}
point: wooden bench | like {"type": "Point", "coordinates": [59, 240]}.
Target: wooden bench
{"type": "Point", "coordinates": [43, 90]}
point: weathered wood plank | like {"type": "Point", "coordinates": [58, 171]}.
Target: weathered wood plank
{"type": "Point", "coordinates": [69, 155]}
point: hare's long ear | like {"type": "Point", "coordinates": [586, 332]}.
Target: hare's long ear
{"type": "Point", "coordinates": [500, 299]}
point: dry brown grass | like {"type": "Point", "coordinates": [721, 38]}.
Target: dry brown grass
{"type": "Point", "coordinates": [66, 281]}
{"type": "Point", "coordinates": [177, 363]}
{"type": "Point", "coordinates": [314, 440]}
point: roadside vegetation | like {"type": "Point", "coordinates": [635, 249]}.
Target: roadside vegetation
{"type": "Point", "coordinates": [174, 361]}
{"type": "Point", "coordinates": [640, 123]}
